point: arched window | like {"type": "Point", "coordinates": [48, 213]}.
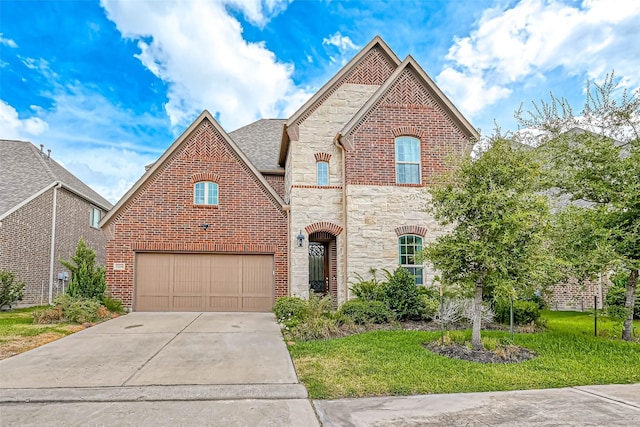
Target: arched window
{"type": "Point", "coordinates": [409, 249]}
{"type": "Point", "coordinates": [205, 193]}
{"type": "Point", "coordinates": [322, 169]}
{"type": "Point", "coordinates": [407, 160]}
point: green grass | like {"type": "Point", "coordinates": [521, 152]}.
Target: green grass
{"type": "Point", "coordinates": [19, 322]}
{"type": "Point", "coordinates": [396, 363]}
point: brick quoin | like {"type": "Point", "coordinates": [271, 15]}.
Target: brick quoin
{"type": "Point", "coordinates": [162, 216]}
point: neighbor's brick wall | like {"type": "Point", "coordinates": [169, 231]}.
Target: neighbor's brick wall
{"type": "Point", "coordinates": [72, 219]}
{"type": "Point", "coordinates": [162, 215]}
{"type": "Point", "coordinates": [25, 241]}
{"type": "Point", "coordinates": [579, 297]}
{"type": "Point", "coordinates": [25, 245]}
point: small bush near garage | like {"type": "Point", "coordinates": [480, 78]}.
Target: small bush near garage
{"type": "Point", "coordinates": [68, 309]}
{"type": "Point", "coordinates": [113, 305]}
{"type": "Point", "coordinates": [87, 278]}
{"type": "Point", "coordinates": [524, 312]}
{"type": "Point", "coordinates": [363, 312]}
{"type": "Point", "coordinates": [10, 290]}
{"type": "Point", "coordinates": [290, 311]}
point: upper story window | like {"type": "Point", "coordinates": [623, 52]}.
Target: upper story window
{"type": "Point", "coordinates": [94, 217]}
{"type": "Point", "coordinates": [205, 193]}
{"type": "Point", "coordinates": [407, 160]}
{"type": "Point", "coordinates": [322, 173]}
{"type": "Point", "coordinates": [409, 250]}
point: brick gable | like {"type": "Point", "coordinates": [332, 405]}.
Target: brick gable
{"type": "Point", "coordinates": [161, 215]}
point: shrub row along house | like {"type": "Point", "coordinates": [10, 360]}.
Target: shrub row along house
{"type": "Point", "coordinates": [231, 221]}
{"type": "Point", "coordinates": [44, 211]}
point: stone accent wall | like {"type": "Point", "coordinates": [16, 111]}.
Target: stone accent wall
{"type": "Point", "coordinates": [25, 241]}
{"type": "Point", "coordinates": [309, 203]}
{"type": "Point", "coordinates": [375, 212]}
{"type": "Point", "coordinates": [162, 216]}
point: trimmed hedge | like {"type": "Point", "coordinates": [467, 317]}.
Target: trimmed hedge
{"type": "Point", "coordinates": [524, 312]}
{"type": "Point", "coordinates": [365, 311]}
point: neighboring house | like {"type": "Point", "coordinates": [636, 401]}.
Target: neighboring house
{"type": "Point", "coordinates": [44, 211]}
{"type": "Point", "coordinates": [231, 221]}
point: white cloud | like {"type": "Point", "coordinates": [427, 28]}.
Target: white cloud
{"type": "Point", "coordinates": [344, 44]}
{"type": "Point", "coordinates": [13, 127]}
{"type": "Point", "coordinates": [534, 37]}
{"type": "Point", "coordinates": [209, 64]}
{"type": "Point", "coordinates": [8, 42]}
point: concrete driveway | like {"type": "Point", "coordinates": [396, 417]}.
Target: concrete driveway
{"type": "Point", "coordinates": [159, 369]}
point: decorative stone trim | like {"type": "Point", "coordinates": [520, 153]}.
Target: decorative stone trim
{"type": "Point", "coordinates": [322, 157]}
{"type": "Point", "coordinates": [411, 229]}
{"type": "Point", "coordinates": [408, 131]}
{"type": "Point", "coordinates": [324, 226]}
{"type": "Point", "coordinates": [322, 187]}
{"type": "Point", "coordinates": [205, 176]}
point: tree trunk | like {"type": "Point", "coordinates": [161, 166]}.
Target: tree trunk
{"type": "Point", "coordinates": [632, 284]}
{"type": "Point", "coordinates": [476, 341]}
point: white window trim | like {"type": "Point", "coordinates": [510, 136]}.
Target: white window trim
{"type": "Point", "coordinates": [92, 217]}
{"type": "Point", "coordinates": [206, 193]}
{"type": "Point", "coordinates": [419, 162]}
{"type": "Point", "coordinates": [318, 173]}
{"type": "Point", "coordinates": [409, 266]}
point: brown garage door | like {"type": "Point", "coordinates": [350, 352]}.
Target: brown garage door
{"type": "Point", "coordinates": [203, 282]}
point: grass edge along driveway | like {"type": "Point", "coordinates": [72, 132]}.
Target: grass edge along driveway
{"type": "Point", "coordinates": [18, 333]}
{"type": "Point", "coordinates": [395, 362]}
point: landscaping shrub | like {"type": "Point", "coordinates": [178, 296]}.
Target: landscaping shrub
{"type": "Point", "coordinates": [429, 306]}
{"type": "Point", "coordinates": [363, 312]}
{"type": "Point", "coordinates": [290, 311]}
{"type": "Point", "coordinates": [113, 305]}
{"type": "Point", "coordinates": [10, 290]}
{"type": "Point", "coordinates": [78, 310]}
{"type": "Point", "coordinates": [524, 312]}
{"type": "Point", "coordinates": [401, 295]}
{"type": "Point", "coordinates": [616, 299]}
{"type": "Point", "coordinates": [48, 315]}
{"type": "Point", "coordinates": [87, 279]}
{"type": "Point", "coordinates": [367, 289]}
{"type": "Point", "coordinates": [314, 328]}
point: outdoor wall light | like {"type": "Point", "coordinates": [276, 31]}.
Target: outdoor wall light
{"type": "Point", "coordinates": [300, 238]}
{"type": "Point", "coordinates": [205, 226]}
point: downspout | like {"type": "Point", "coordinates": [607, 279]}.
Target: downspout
{"type": "Point", "coordinates": [53, 240]}
{"type": "Point", "coordinates": [345, 274]}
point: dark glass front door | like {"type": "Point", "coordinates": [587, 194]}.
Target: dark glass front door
{"type": "Point", "coordinates": [318, 267]}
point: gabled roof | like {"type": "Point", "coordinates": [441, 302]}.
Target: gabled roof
{"type": "Point", "coordinates": [205, 115]}
{"type": "Point", "coordinates": [439, 97]}
{"type": "Point", "coordinates": [26, 171]}
{"type": "Point", "coordinates": [376, 43]}
{"type": "Point", "coordinates": [260, 142]}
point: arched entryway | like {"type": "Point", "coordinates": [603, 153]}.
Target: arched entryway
{"type": "Point", "coordinates": [323, 271]}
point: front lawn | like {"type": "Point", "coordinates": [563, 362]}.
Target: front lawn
{"type": "Point", "coordinates": [18, 333]}
{"type": "Point", "coordinates": [396, 363]}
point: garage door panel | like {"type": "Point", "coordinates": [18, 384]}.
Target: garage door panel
{"type": "Point", "coordinates": [203, 282]}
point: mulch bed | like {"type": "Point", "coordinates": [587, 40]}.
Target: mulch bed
{"type": "Point", "coordinates": [502, 354]}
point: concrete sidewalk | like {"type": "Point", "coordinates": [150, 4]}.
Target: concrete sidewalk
{"type": "Point", "coordinates": [218, 369]}
{"type": "Point", "coordinates": [607, 405]}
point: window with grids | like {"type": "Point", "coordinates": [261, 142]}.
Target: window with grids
{"type": "Point", "coordinates": [323, 173]}
{"type": "Point", "coordinates": [409, 250]}
{"type": "Point", "coordinates": [407, 160]}
{"type": "Point", "coordinates": [205, 193]}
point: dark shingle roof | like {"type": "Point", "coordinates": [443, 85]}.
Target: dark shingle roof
{"type": "Point", "coordinates": [260, 142]}
{"type": "Point", "coordinates": [25, 170]}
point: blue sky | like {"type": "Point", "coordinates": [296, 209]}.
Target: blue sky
{"type": "Point", "coordinates": [108, 85]}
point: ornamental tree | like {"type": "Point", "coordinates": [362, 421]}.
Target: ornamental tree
{"type": "Point", "coordinates": [497, 220]}
{"type": "Point", "coordinates": [593, 161]}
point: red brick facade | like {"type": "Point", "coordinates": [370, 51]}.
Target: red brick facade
{"type": "Point", "coordinates": [25, 239]}
{"type": "Point", "coordinates": [161, 215]}
{"type": "Point", "coordinates": [406, 108]}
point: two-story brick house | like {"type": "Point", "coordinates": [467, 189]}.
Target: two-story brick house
{"type": "Point", "coordinates": [44, 211]}
{"type": "Point", "coordinates": [231, 221]}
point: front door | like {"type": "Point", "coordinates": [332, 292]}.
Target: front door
{"type": "Point", "coordinates": [318, 268]}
